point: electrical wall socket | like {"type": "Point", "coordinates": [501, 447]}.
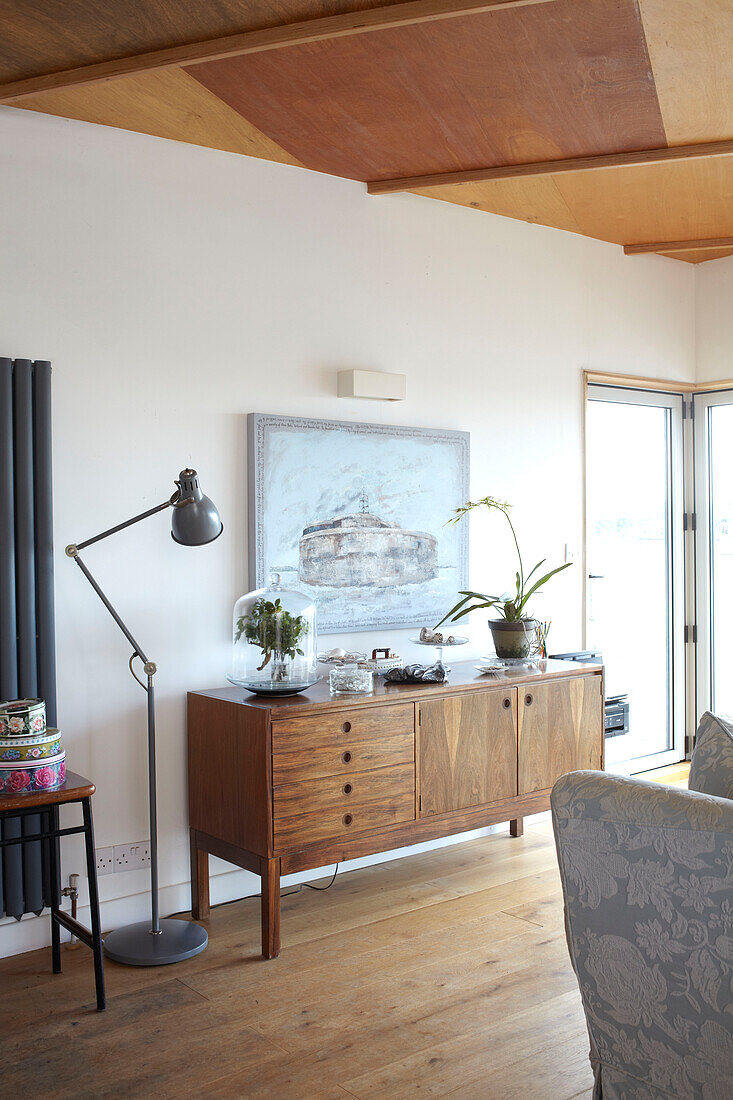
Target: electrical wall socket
{"type": "Point", "coordinates": [130, 857]}
{"type": "Point", "coordinates": [105, 860]}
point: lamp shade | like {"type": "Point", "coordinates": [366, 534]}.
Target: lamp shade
{"type": "Point", "coordinates": [195, 520]}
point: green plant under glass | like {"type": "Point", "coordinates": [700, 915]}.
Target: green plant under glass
{"type": "Point", "coordinates": [275, 631]}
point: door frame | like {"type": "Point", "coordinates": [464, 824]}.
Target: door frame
{"type": "Point", "coordinates": [703, 403]}
{"type": "Point", "coordinates": [679, 574]}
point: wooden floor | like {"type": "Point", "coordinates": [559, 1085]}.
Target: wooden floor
{"type": "Point", "coordinates": [445, 974]}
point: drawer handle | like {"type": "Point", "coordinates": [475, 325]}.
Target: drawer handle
{"type": "Point", "coordinates": [348, 788]}
{"type": "Point", "coordinates": [346, 758]}
{"type": "Point", "coordinates": [529, 699]}
{"type": "Point", "coordinates": [507, 703]}
{"type": "Point", "coordinates": [346, 727]}
{"type": "Point", "coordinates": [348, 819]}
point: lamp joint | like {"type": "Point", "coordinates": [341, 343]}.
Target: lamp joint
{"type": "Point", "coordinates": [72, 550]}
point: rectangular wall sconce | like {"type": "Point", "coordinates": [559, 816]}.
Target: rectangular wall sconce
{"type": "Point", "coordinates": [373, 384]}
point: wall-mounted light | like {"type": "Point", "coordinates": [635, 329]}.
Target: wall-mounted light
{"type": "Point", "coordinates": [373, 384]}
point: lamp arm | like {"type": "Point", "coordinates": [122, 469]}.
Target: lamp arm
{"type": "Point", "coordinates": [73, 552]}
{"type": "Point", "coordinates": [128, 523]}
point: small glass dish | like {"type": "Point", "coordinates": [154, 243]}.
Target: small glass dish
{"type": "Point", "coordinates": [351, 680]}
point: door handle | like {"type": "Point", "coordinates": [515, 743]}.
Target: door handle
{"type": "Point", "coordinates": [596, 577]}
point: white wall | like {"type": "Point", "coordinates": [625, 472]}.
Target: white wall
{"type": "Point", "coordinates": [176, 289]}
{"type": "Point", "coordinates": [714, 317]}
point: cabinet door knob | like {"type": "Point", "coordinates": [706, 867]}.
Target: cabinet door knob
{"type": "Point", "coordinates": [346, 757]}
{"type": "Point", "coordinates": [346, 727]}
{"type": "Point", "coordinates": [348, 819]}
{"type": "Point", "coordinates": [506, 703]}
{"type": "Point", "coordinates": [528, 699]}
{"type": "Point", "coordinates": [348, 788]}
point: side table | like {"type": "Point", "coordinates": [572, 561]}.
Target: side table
{"type": "Point", "coordinates": [75, 789]}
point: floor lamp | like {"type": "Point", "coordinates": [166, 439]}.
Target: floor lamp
{"type": "Point", "coordinates": [194, 522]}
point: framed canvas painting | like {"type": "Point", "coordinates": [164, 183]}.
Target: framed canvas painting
{"type": "Point", "coordinates": [355, 514]}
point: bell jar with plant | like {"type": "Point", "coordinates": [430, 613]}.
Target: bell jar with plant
{"type": "Point", "coordinates": [274, 640]}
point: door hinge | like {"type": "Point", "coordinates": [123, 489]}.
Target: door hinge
{"type": "Point", "coordinates": [691, 634]}
{"type": "Point", "coordinates": [689, 522]}
{"type": "Point", "coordinates": [688, 409]}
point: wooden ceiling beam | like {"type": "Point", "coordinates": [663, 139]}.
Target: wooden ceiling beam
{"type": "Point", "coordinates": [678, 246]}
{"type": "Point", "coordinates": [554, 167]}
{"type": "Point", "coordinates": [270, 38]}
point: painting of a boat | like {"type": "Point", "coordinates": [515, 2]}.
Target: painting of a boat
{"type": "Point", "coordinates": [361, 549]}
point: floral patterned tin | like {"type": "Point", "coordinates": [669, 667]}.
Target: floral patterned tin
{"type": "Point", "coordinates": [30, 748]}
{"type": "Point", "coordinates": [22, 717]}
{"type": "Point", "coordinates": [46, 775]}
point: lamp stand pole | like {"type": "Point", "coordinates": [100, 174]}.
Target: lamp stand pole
{"type": "Point", "coordinates": [154, 942]}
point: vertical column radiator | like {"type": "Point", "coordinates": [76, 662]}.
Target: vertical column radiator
{"type": "Point", "coordinates": [27, 639]}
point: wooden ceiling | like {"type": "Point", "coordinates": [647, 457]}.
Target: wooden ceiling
{"type": "Point", "coordinates": [609, 118]}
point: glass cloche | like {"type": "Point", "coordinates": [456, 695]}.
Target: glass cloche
{"type": "Point", "coordinates": [274, 640]}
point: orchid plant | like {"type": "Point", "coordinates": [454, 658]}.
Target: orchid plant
{"type": "Point", "coordinates": [512, 608]}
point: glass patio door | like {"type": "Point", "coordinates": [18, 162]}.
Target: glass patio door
{"type": "Point", "coordinates": [714, 523]}
{"type": "Point", "coordinates": [635, 595]}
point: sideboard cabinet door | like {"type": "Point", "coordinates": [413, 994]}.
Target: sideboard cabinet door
{"type": "Point", "coordinates": [468, 751]}
{"type": "Point", "coordinates": [560, 730]}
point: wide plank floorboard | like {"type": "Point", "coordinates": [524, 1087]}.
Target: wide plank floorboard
{"type": "Point", "coordinates": [445, 974]}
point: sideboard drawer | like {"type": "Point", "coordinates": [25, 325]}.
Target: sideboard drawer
{"type": "Point", "coordinates": [342, 742]}
{"type": "Point", "coordinates": [337, 806]}
{"type": "Point", "coordinates": [289, 734]}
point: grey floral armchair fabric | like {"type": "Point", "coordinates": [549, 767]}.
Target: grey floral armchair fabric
{"type": "Point", "coordinates": [711, 768]}
{"type": "Point", "coordinates": [647, 875]}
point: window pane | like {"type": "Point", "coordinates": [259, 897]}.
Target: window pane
{"type": "Point", "coordinates": [629, 567]}
{"type": "Point", "coordinates": [721, 556]}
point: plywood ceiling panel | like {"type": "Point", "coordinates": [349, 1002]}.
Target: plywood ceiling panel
{"type": "Point", "coordinates": [531, 200]}
{"type": "Point", "coordinates": [684, 200]}
{"type": "Point", "coordinates": [700, 255]}
{"type": "Point", "coordinates": [690, 44]}
{"type": "Point", "coordinates": [42, 36]}
{"type": "Point", "coordinates": [168, 103]}
{"type": "Point", "coordinates": [525, 84]}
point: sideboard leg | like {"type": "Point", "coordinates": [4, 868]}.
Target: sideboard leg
{"type": "Point", "coordinates": [200, 906]}
{"type": "Point", "coordinates": [270, 907]}
{"type": "Point", "coordinates": [516, 826]}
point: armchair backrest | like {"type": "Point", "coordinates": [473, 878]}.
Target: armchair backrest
{"type": "Point", "coordinates": [647, 875]}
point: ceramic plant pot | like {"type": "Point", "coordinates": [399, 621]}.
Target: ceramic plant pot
{"type": "Point", "coordinates": [46, 775]}
{"type": "Point", "coordinates": [30, 749]}
{"type": "Point", "coordinates": [22, 718]}
{"type": "Point", "coordinates": [513, 641]}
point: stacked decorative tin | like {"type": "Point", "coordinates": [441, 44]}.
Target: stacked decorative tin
{"type": "Point", "coordinates": [31, 755]}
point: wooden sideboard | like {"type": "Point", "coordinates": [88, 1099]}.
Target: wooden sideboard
{"type": "Point", "coordinates": [278, 785]}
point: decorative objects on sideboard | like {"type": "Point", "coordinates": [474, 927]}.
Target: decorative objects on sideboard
{"type": "Point", "coordinates": [364, 532]}
{"type": "Point", "coordinates": [194, 522]}
{"type": "Point", "coordinates": [274, 647]}
{"type": "Point", "coordinates": [351, 680]}
{"type": "Point", "coordinates": [417, 674]}
{"type": "Point", "coordinates": [514, 633]}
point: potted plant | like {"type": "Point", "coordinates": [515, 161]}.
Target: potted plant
{"type": "Point", "coordinates": [514, 632]}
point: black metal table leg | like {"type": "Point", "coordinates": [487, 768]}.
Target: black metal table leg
{"type": "Point", "coordinates": [53, 861]}
{"type": "Point", "coordinates": [94, 903]}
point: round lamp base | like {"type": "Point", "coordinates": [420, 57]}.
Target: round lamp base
{"type": "Point", "coordinates": [136, 945]}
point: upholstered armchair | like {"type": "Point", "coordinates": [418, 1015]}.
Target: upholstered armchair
{"type": "Point", "coordinates": [647, 874]}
